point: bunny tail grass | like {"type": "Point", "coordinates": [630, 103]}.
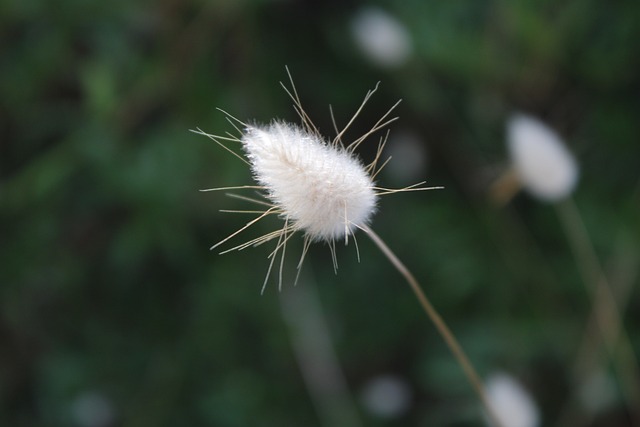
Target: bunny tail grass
{"type": "Point", "coordinates": [440, 325]}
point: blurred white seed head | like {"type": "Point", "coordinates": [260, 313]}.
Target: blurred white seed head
{"type": "Point", "coordinates": [409, 154]}
{"type": "Point", "coordinates": [386, 396]}
{"type": "Point", "coordinates": [543, 163]}
{"type": "Point", "coordinates": [381, 37]}
{"type": "Point", "coordinates": [510, 402]}
{"type": "Point", "coordinates": [92, 409]}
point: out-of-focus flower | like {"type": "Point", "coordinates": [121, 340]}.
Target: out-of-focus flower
{"type": "Point", "coordinates": [386, 396]}
{"type": "Point", "coordinates": [510, 402]}
{"type": "Point", "coordinates": [381, 37]}
{"type": "Point", "coordinates": [92, 409]}
{"type": "Point", "coordinates": [598, 391]}
{"type": "Point", "coordinates": [542, 162]}
{"type": "Point", "coordinates": [409, 155]}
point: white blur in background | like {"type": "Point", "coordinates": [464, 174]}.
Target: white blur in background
{"type": "Point", "coordinates": [381, 37]}
{"type": "Point", "coordinates": [409, 157]}
{"type": "Point", "coordinates": [386, 396]}
{"type": "Point", "coordinates": [92, 409]}
{"type": "Point", "coordinates": [541, 160]}
{"type": "Point", "coordinates": [598, 391]}
{"type": "Point", "coordinates": [511, 403]}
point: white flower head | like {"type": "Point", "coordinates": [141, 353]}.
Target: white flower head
{"type": "Point", "coordinates": [510, 402]}
{"type": "Point", "coordinates": [381, 37]}
{"type": "Point", "coordinates": [543, 163]}
{"type": "Point", "coordinates": [318, 187]}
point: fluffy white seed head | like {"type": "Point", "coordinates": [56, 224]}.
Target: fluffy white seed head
{"type": "Point", "coordinates": [320, 188]}
{"type": "Point", "coordinates": [510, 402]}
{"type": "Point", "coordinates": [544, 165]}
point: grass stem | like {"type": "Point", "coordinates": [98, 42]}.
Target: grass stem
{"type": "Point", "coordinates": [440, 325]}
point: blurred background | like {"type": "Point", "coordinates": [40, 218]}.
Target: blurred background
{"type": "Point", "coordinates": [113, 311]}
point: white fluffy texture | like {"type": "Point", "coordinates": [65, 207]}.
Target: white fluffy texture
{"type": "Point", "coordinates": [323, 190]}
{"type": "Point", "coordinates": [510, 401]}
{"type": "Point", "coordinates": [381, 37]}
{"type": "Point", "coordinates": [544, 164]}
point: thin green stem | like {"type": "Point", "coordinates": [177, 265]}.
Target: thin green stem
{"type": "Point", "coordinates": [440, 325]}
{"type": "Point", "coordinates": [605, 311]}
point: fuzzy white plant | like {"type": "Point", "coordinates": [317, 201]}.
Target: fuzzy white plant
{"type": "Point", "coordinates": [321, 189]}
{"type": "Point", "coordinates": [541, 160]}
{"type": "Point", "coordinates": [511, 402]}
{"type": "Point", "coordinates": [548, 170]}
{"type": "Point", "coordinates": [318, 187]}
{"type": "Point", "coordinates": [381, 37]}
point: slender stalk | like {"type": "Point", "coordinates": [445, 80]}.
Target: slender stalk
{"type": "Point", "coordinates": [440, 325]}
{"type": "Point", "coordinates": [317, 358]}
{"type": "Point", "coordinates": [605, 315]}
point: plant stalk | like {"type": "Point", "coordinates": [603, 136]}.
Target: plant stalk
{"type": "Point", "coordinates": [440, 325]}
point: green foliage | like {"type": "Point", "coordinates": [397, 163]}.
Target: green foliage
{"type": "Point", "coordinates": [106, 282]}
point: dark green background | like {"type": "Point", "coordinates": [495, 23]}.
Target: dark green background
{"type": "Point", "coordinates": [106, 282]}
